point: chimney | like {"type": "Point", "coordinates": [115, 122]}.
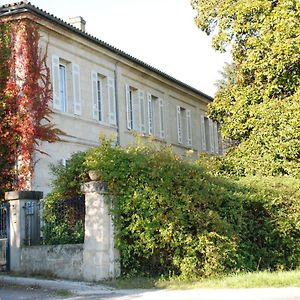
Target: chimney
{"type": "Point", "coordinates": [78, 22]}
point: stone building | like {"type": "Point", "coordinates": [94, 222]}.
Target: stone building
{"type": "Point", "coordinates": [100, 89]}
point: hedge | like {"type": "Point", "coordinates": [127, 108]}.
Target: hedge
{"type": "Point", "coordinates": [173, 217]}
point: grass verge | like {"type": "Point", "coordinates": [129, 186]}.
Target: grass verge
{"type": "Point", "coordinates": [242, 280]}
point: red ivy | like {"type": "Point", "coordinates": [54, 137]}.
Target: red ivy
{"type": "Point", "coordinates": [25, 97]}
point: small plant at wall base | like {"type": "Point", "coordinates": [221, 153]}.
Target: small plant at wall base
{"type": "Point", "coordinates": [25, 95]}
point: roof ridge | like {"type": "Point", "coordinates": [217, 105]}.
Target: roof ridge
{"type": "Point", "coordinates": [24, 4]}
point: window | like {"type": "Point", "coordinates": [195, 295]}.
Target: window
{"type": "Point", "coordinates": [135, 109]}
{"type": "Point", "coordinates": [152, 103]}
{"type": "Point", "coordinates": [60, 71]}
{"type": "Point", "coordinates": [184, 126]}
{"type": "Point", "coordinates": [76, 89]}
{"type": "Point", "coordinates": [103, 98]}
{"type": "Point", "coordinates": [97, 88]}
{"type": "Point", "coordinates": [161, 118]}
{"type": "Point", "coordinates": [202, 132]}
{"type": "Point", "coordinates": [156, 117]}
{"type": "Point", "coordinates": [144, 114]}
{"type": "Point", "coordinates": [130, 106]}
{"type": "Point", "coordinates": [112, 101]}
{"type": "Point", "coordinates": [62, 88]}
{"type": "Point", "coordinates": [142, 111]}
{"type": "Point", "coordinates": [209, 135]}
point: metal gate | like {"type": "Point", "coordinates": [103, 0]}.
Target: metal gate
{"type": "Point", "coordinates": [4, 237]}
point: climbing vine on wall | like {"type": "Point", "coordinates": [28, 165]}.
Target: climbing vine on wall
{"type": "Point", "coordinates": [25, 94]}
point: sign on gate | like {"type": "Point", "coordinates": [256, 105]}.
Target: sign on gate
{"type": "Point", "coordinates": [4, 235]}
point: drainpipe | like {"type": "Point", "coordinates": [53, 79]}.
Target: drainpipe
{"type": "Point", "coordinates": [117, 103]}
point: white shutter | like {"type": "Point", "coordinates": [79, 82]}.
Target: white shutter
{"type": "Point", "coordinates": [112, 100]}
{"type": "Point", "coordinates": [211, 136]}
{"type": "Point", "coordinates": [55, 82]}
{"type": "Point", "coordinates": [161, 118]}
{"type": "Point", "coordinates": [95, 103]}
{"type": "Point", "coordinates": [150, 114]}
{"type": "Point", "coordinates": [142, 111]}
{"type": "Point", "coordinates": [216, 140]}
{"type": "Point", "coordinates": [76, 89]}
{"type": "Point", "coordinates": [202, 132]}
{"type": "Point", "coordinates": [189, 127]}
{"type": "Point", "coordinates": [179, 125]}
{"type": "Point", "coordinates": [128, 107]}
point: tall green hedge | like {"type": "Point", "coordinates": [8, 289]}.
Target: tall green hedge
{"type": "Point", "coordinates": [174, 217]}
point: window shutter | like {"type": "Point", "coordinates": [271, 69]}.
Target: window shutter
{"type": "Point", "coordinates": [202, 132]}
{"type": "Point", "coordinates": [95, 96]}
{"type": "Point", "coordinates": [55, 82]}
{"type": "Point", "coordinates": [112, 100]}
{"type": "Point", "coordinates": [128, 106]}
{"type": "Point", "coordinates": [162, 118]}
{"type": "Point", "coordinates": [76, 89]}
{"type": "Point", "coordinates": [189, 127]}
{"type": "Point", "coordinates": [211, 136]}
{"type": "Point", "coordinates": [179, 125]}
{"type": "Point", "coordinates": [142, 111]}
{"type": "Point", "coordinates": [216, 140]}
{"type": "Point", "coordinates": [150, 114]}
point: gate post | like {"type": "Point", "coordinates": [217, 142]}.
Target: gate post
{"type": "Point", "coordinates": [100, 258]}
{"type": "Point", "coordinates": [17, 232]}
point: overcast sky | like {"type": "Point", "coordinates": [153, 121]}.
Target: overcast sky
{"type": "Point", "coordinates": [161, 33]}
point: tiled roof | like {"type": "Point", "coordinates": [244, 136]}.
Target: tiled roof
{"type": "Point", "coordinates": [24, 6]}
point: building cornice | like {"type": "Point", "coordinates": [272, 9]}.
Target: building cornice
{"type": "Point", "coordinates": [15, 9]}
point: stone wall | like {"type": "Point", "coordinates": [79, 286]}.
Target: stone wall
{"type": "Point", "coordinates": [96, 259]}
{"type": "Point", "coordinates": [64, 261]}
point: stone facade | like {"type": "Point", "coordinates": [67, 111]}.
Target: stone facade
{"type": "Point", "coordinates": [98, 89]}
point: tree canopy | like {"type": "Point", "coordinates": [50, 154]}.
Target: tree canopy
{"type": "Point", "coordinates": [258, 107]}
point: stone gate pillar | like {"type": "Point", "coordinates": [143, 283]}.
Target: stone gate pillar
{"type": "Point", "coordinates": [100, 258]}
{"type": "Point", "coordinates": [17, 223]}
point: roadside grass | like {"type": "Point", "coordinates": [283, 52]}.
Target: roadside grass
{"type": "Point", "coordinates": [63, 293]}
{"type": "Point", "coordinates": [241, 280]}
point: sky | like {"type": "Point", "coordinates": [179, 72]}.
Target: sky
{"type": "Point", "coordinates": [161, 33]}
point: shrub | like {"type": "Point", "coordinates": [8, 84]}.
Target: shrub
{"type": "Point", "coordinates": [182, 218]}
{"type": "Point", "coordinates": [64, 217]}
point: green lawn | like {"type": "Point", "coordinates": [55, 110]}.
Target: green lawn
{"type": "Point", "coordinates": [243, 280]}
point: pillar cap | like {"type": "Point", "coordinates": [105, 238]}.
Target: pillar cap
{"type": "Point", "coordinates": [94, 187]}
{"type": "Point", "coordinates": [23, 195]}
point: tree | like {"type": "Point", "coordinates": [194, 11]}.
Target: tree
{"type": "Point", "coordinates": [260, 108]}
{"type": "Point", "coordinates": [25, 94]}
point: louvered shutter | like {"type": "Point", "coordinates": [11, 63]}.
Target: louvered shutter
{"type": "Point", "coordinates": [95, 103]}
{"type": "Point", "coordinates": [150, 114]}
{"type": "Point", "coordinates": [112, 100]}
{"type": "Point", "coordinates": [142, 110]}
{"type": "Point", "coordinates": [202, 132]}
{"type": "Point", "coordinates": [216, 140]}
{"type": "Point", "coordinates": [55, 82]}
{"type": "Point", "coordinates": [179, 125]}
{"type": "Point", "coordinates": [162, 133]}
{"type": "Point", "coordinates": [76, 89]}
{"type": "Point", "coordinates": [128, 107]}
{"type": "Point", "coordinates": [189, 127]}
{"type": "Point", "coordinates": [211, 136]}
